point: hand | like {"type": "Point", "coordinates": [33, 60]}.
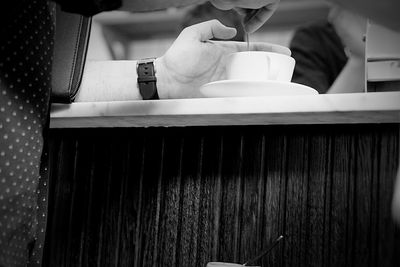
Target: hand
{"type": "Point", "coordinates": [256, 12]}
{"type": "Point", "coordinates": [194, 60]}
{"type": "Point", "coordinates": [351, 29]}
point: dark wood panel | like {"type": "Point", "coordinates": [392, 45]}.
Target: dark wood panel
{"type": "Point", "coordinates": [186, 196]}
{"type": "Point", "coordinates": [340, 209]}
{"type": "Point", "coordinates": [273, 216]}
{"type": "Point", "coordinates": [317, 198]}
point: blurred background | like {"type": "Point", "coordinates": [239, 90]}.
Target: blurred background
{"type": "Point", "coordinates": [123, 35]}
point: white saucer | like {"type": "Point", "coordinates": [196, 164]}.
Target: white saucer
{"type": "Point", "coordinates": [239, 88]}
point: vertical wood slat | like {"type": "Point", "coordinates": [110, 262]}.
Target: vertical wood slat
{"type": "Point", "coordinates": [190, 199]}
{"type": "Point", "coordinates": [210, 205]}
{"type": "Point", "coordinates": [230, 187]}
{"type": "Point", "coordinates": [84, 257]}
{"type": "Point", "coordinates": [186, 196]}
{"type": "Point", "coordinates": [296, 197]}
{"type": "Point", "coordinates": [170, 206]}
{"type": "Point", "coordinates": [386, 240]}
{"type": "Point", "coordinates": [273, 217]}
{"type": "Point", "coordinates": [339, 223]}
{"type": "Point", "coordinates": [249, 230]}
{"type": "Point", "coordinates": [319, 152]}
{"type": "Point", "coordinates": [363, 197]}
{"type": "Point", "coordinates": [150, 202]}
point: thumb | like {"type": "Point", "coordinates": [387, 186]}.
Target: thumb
{"type": "Point", "coordinates": [211, 29]}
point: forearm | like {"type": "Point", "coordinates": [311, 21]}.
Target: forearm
{"type": "Point", "coordinates": [109, 81]}
{"type": "Point", "coordinates": [384, 12]}
{"type": "Point", "coordinates": [189, 63]}
{"type": "Point", "coordinates": [150, 5]}
{"type": "Point", "coordinates": [351, 78]}
{"type": "Point", "coordinates": [116, 80]}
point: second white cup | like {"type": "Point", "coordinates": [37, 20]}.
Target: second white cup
{"type": "Point", "coordinates": [260, 66]}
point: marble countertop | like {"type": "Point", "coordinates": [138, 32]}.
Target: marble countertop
{"type": "Point", "coordinates": [275, 110]}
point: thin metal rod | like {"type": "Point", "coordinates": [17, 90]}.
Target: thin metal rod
{"type": "Point", "coordinates": [265, 252]}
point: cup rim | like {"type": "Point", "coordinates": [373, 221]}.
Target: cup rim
{"type": "Point", "coordinates": [283, 56]}
{"type": "Point", "coordinates": [268, 52]}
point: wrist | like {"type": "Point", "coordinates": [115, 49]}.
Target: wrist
{"type": "Point", "coordinates": [162, 78]}
{"type": "Point", "coordinates": [172, 84]}
{"type": "Point", "coordinates": [356, 62]}
{"type": "Point", "coordinates": [146, 79]}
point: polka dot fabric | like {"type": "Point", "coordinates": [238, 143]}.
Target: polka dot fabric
{"type": "Point", "coordinates": [26, 52]}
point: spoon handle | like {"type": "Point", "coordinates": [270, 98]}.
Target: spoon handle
{"type": "Point", "coordinates": [248, 41]}
{"type": "Point", "coordinates": [265, 251]}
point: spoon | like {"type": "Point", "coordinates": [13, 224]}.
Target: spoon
{"type": "Point", "coordinates": [265, 252]}
{"type": "Point", "coordinates": [248, 41]}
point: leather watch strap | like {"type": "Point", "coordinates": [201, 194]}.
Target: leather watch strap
{"type": "Point", "coordinates": [147, 80]}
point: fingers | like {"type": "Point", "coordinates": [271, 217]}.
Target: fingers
{"type": "Point", "coordinates": [254, 46]}
{"type": "Point", "coordinates": [210, 29]}
{"type": "Point", "coordinates": [257, 12]}
{"type": "Point", "coordinates": [251, 4]}
{"type": "Point", "coordinates": [221, 5]}
{"type": "Point", "coordinates": [255, 19]}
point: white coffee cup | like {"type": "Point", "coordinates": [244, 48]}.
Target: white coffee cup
{"type": "Point", "coordinates": [259, 66]}
{"type": "Point", "coordinates": [225, 264]}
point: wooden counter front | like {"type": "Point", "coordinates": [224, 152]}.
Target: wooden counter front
{"type": "Point", "coordinates": [183, 196]}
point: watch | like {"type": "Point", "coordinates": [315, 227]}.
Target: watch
{"type": "Point", "coordinates": [146, 79]}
